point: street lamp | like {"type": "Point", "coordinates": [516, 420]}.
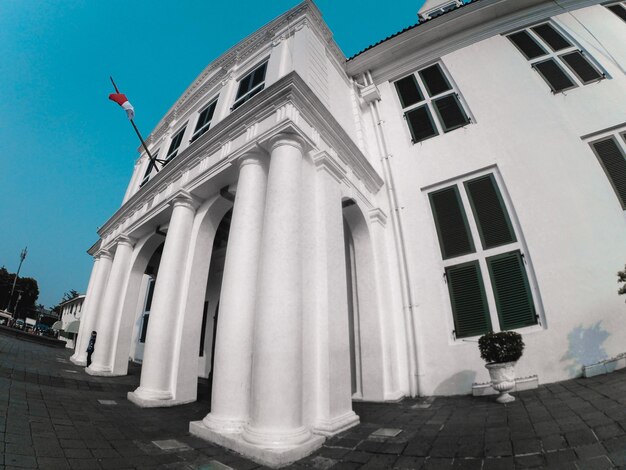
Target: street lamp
{"type": "Point", "coordinates": [23, 254]}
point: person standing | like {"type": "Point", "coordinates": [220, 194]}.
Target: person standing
{"type": "Point", "coordinates": [90, 347]}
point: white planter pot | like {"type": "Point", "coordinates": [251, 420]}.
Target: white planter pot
{"type": "Point", "coordinates": [502, 380]}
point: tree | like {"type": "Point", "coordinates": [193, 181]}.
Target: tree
{"type": "Point", "coordinates": [71, 294]}
{"type": "Point", "coordinates": [621, 279]}
{"type": "Point", "coordinates": [25, 294]}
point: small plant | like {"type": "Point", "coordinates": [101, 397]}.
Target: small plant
{"type": "Point", "coordinates": [621, 279]}
{"type": "Point", "coordinates": [505, 346]}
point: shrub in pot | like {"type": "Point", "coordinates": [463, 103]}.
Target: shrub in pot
{"type": "Point", "coordinates": [501, 351]}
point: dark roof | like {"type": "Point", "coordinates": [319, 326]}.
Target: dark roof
{"type": "Point", "coordinates": [408, 28]}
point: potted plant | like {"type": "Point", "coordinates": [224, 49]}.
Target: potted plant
{"type": "Point", "coordinates": [501, 351]}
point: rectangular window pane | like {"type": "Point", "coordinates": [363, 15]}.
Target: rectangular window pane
{"type": "Point", "coordinates": [176, 141]}
{"type": "Point", "coordinates": [614, 165]}
{"type": "Point", "coordinates": [250, 85]}
{"type": "Point", "coordinates": [551, 36]}
{"type": "Point", "coordinates": [527, 45]}
{"type": "Point", "coordinates": [554, 75]}
{"type": "Point", "coordinates": [144, 328]}
{"type": "Point", "coordinates": [451, 223]}
{"type": "Point", "coordinates": [421, 124]}
{"type": "Point", "coordinates": [511, 290]}
{"type": "Point", "coordinates": [581, 67]}
{"type": "Point", "coordinates": [408, 91]}
{"type": "Point", "coordinates": [204, 121]}
{"type": "Point", "coordinates": [619, 10]}
{"type": "Point", "coordinates": [450, 112]}
{"type": "Point", "coordinates": [435, 80]}
{"type": "Point", "coordinates": [258, 75]}
{"type": "Point", "coordinates": [469, 304]}
{"type": "Point", "coordinates": [489, 211]}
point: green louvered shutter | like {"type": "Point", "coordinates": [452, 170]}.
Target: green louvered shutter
{"type": "Point", "coordinates": [511, 290]}
{"type": "Point", "coordinates": [490, 212]}
{"type": "Point", "coordinates": [469, 304]}
{"type": "Point", "coordinates": [454, 235]}
{"type": "Point", "coordinates": [612, 160]}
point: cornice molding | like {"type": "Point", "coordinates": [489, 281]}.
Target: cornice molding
{"type": "Point", "coordinates": [324, 162]}
{"type": "Point", "coordinates": [455, 30]}
{"type": "Point", "coordinates": [270, 35]}
{"type": "Point", "coordinates": [292, 107]}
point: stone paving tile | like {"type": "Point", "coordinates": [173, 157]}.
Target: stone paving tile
{"type": "Point", "coordinates": [51, 418]}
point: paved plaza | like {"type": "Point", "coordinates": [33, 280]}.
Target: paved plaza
{"type": "Point", "coordinates": [54, 416]}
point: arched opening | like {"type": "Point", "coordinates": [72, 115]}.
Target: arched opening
{"type": "Point", "coordinates": [365, 328]}
{"type": "Point", "coordinates": [206, 360]}
{"type": "Point", "coordinates": [353, 313]}
{"type": "Point", "coordinates": [146, 293]}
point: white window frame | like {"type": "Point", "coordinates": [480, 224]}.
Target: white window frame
{"type": "Point", "coordinates": [197, 133]}
{"type": "Point", "coordinates": [148, 176]}
{"type": "Point", "coordinates": [428, 101]}
{"type": "Point", "coordinates": [481, 254]}
{"type": "Point", "coordinates": [173, 153]}
{"type": "Point", "coordinates": [243, 98]}
{"type": "Point", "coordinates": [555, 55]}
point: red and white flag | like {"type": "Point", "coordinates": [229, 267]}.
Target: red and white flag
{"type": "Point", "coordinates": [121, 99]}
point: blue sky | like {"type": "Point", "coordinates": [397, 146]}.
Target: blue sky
{"type": "Point", "coordinates": [66, 152]}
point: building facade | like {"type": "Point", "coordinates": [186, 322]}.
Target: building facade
{"type": "Point", "coordinates": [327, 229]}
{"type": "Point", "coordinates": [71, 313]}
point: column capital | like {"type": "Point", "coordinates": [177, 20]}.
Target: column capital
{"type": "Point", "coordinates": [284, 138]}
{"type": "Point", "coordinates": [184, 199]}
{"type": "Point", "coordinates": [103, 254]}
{"type": "Point", "coordinates": [252, 157]}
{"type": "Point", "coordinates": [124, 240]}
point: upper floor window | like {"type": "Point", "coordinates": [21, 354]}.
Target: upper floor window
{"type": "Point", "coordinates": [484, 262]}
{"type": "Point", "coordinates": [250, 85]}
{"type": "Point", "coordinates": [149, 167]}
{"type": "Point", "coordinates": [559, 62]}
{"type": "Point", "coordinates": [619, 9]}
{"type": "Point", "coordinates": [430, 103]}
{"type": "Point", "coordinates": [175, 144]}
{"type": "Point", "coordinates": [204, 120]}
{"type": "Point", "coordinates": [611, 153]}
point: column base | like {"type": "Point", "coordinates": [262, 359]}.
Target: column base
{"type": "Point", "coordinates": [271, 457]}
{"type": "Point", "coordinates": [79, 361]}
{"type": "Point", "coordinates": [96, 371]}
{"type": "Point", "coordinates": [330, 427]}
{"type": "Point", "coordinates": [153, 399]}
{"type": "Point", "coordinates": [222, 425]}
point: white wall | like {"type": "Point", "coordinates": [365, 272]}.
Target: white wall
{"type": "Point", "coordinates": [570, 218]}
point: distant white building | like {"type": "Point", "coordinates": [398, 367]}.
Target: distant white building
{"type": "Point", "coordinates": [71, 312]}
{"type": "Point", "coordinates": [358, 223]}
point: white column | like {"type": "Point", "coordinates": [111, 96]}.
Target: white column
{"type": "Point", "coordinates": [276, 414]}
{"type": "Point", "coordinates": [233, 350]}
{"type": "Point", "coordinates": [155, 387]}
{"type": "Point", "coordinates": [111, 309]}
{"type": "Point", "coordinates": [93, 297]}
{"type": "Point", "coordinates": [333, 385]}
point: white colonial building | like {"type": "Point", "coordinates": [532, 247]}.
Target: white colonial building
{"type": "Point", "coordinates": [359, 223]}
{"type": "Point", "coordinates": [69, 322]}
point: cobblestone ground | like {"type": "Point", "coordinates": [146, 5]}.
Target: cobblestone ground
{"type": "Point", "coordinates": [54, 416]}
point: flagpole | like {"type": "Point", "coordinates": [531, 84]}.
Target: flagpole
{"type": "Point", "coordinates": [152, 159]}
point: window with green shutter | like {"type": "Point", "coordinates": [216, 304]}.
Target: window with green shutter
{"type": "Point", "coordinates": [454, 235]}
{"type": "Point", "coordinates": [489, 287]}
{"type": "Point", "coordinates": [511, 290]}
{"type": "Point", "coordinates": [489, 211]}
{"type": "Point", "coordinates": [613, 162]}
{"type": "Point", "coordinates": [559, 61]}
{"type": "Point", "coordinates": [469, 303]}
{"type": "Point", "coordinates": [430, 102]}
